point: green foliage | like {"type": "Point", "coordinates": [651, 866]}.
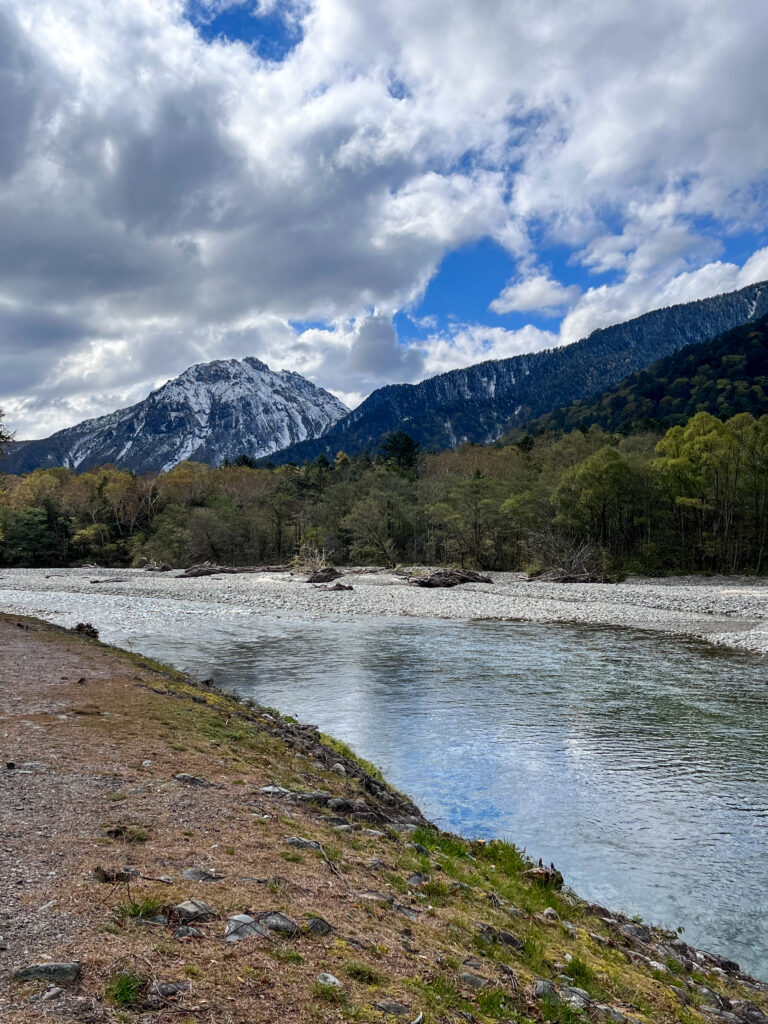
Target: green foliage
{"type": "Point", "coordinates": [363, 972]}
{"type": "Point", "coordinates": [694, 499]}
{"type": "Point", "coordinates": [124, 988]}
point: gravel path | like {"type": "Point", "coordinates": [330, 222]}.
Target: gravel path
{"type": "Point", "coordinates": [732, 611]}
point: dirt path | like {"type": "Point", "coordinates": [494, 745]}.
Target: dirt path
{"type": "Point", "coordinates": [93, 818]}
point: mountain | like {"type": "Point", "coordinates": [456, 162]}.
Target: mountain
{"type": "Point", "coordinates": [725, 376]}
{"type": "Point", "coordinates": [480, 403]}
{"type": "Point", "coordinates": [212, 412]}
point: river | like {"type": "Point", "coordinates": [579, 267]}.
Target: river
{"type": "Point", "coordinates": [636, 762]}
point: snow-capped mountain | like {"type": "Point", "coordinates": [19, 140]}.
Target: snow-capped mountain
{"type": "Point", "coordinates": [211, 412]}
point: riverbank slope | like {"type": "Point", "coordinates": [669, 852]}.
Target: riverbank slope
{"type": "Point", "coordinates": [141, 812]}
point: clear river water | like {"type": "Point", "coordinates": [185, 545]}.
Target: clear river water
{"type": "Point", "coordinates": [638, 763]}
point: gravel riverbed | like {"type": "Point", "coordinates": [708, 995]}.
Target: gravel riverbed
{"type": "Point", "coordinates": [731, 611]}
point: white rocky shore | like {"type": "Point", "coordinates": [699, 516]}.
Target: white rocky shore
{"type": "Point", "coordinates": [730, 611]}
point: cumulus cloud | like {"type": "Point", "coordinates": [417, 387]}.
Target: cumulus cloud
{"type": "Point", "coordinates": [536, 293]}
{"type": "Point", "coordinates": [166, 199]}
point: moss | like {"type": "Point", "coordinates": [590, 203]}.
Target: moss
{"type": "Point", "coordinates": [363, 972]}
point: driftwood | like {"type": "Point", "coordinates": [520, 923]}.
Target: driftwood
{"type": "Point", "coordinates": [449, 578]}
{"type": "Point", "coordinates": [563, 576]}
{"type": "Point", "coordinates": [336, 587]}
{"type": "Point", "coordinates": [209, 569]}
{"type": "Point", "coordinates": [327, 575]}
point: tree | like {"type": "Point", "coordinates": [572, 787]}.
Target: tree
{"type": "Point", "coordinates": [5, 437]}
{"type": "Point", "coordinates": [401, 449]}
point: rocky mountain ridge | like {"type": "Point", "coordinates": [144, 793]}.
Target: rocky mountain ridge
{"type": "Point", "coordinates": [211, 412]}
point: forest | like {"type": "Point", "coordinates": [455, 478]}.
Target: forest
{"type": "Point", "coordinates": [692, 499]}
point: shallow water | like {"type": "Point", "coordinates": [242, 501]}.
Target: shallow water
{"type": "Point", "coordinates": [634, 761]}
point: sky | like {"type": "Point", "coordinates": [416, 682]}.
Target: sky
{"type": "Point", "coordinates": [364, 193]}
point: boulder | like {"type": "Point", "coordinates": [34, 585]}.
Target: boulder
{"type": "Point", "coordinates": [60, 973]}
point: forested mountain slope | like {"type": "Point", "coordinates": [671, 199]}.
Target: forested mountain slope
{"type": "Point", "coordinates": [725, 376]}
{"type": "Point", "coordinates": [480, 403]}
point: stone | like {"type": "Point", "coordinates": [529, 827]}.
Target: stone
{"type": "Point", "coordinates": [636, 933]}
{"type": "Point", "coordinates": [545, 990]}
{"type": "Point", "coordinates": [160, 919]}
{"type": "Point", "coordinates": [317, 796]}
{"type": "Point", "coordinates": [412, 915]}
{"type": "Point", "coordinates": [60, 973]}
{"type": "Point", "coordinates": [376, 863]}
{"type": "Point", "coordinates": [339, 768]}
{"type": "Point", "coordinates": [332, 819]}
{"type": "Point", "coordinates": [472, 980]}
{"type": "Point", "coordinates": [51, 993]}
{"type": "Point", "coordinates": [168, 989]}
{"type": "Point", "coordinates": [392, 1008]}
{"type": "Point", "coordinates": [303, 844]}
{"type": "Point", "coordinates": [201, 875]}
{"type": "Point", "coordinates": [194, 910]}
{"type": "Point", "coordinates": [242, 926]}
{"type": "Point", "coordinates": [186, 931]}
{"type": "Point", "coordinates": [402, 826]}
{"type": "Point", "coordinates": [277, 922]}
{"type": "Point", "coordinates": [419, 849]}
{"type": "Point", "coordinates": [275, 791]}
{"type": "Point", "coordinates": [329, 980]}
{"type": "Point", "coordinates": [575, 997]}
{"type": "Point", "coordinates": [418, 879]}
{"type": "Point", "coordinates": [318, 926]}
{"type": "Point", "coordinates": [681, 994]}
{"type": "Point", "coordinates": [192, 780]}
{"type": "Point", "coordinates": [373, 833]}
{"type": "Point", "coordinates": [567, 926]}
{"type": "Point", "coordinates": [609, 1013]}
{"type": "Point", "coordinates": [338, 803]}
{"type": "Point", "coordinates": [551, 914]}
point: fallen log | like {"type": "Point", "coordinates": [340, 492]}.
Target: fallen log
{"type": "Point", "coordinates": [210, 569]}
{"type": "Point", "coordinates": [449, 578]}
{"type": "Point", "coordinates": [327, 575]}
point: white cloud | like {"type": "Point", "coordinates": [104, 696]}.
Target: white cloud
{"type": "Point", "coordinates": [539, 293]}
{"type": "Point", "coordinates": [165, 200]}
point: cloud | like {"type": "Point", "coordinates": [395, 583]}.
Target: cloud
{"type": "Point", "coordinates": [166, 199]}
{"type": "Point", "coordinates": [537, 293]}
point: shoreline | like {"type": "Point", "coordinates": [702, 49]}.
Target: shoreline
{"type": "Point", "coordinates": [726, 611]}
{"type": "Point", "coordinates": [213, 784]}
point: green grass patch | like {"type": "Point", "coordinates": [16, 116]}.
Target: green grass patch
{"type": "Point", "coordinates": [363, 972]}
{"type": "Point", "coordinates": [124, 988]}
{"type": "Point", "coordinates": [134, 910]}
{"type": "Point", "coordinates": [286, 955]}
{"type": "Point", "coordinates": [329, 994]}
{"type": "Point", "coordinates": [452, 846]}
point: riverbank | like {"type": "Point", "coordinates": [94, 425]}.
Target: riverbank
{"type": "Point", "coordinates": [731, 611]}
{"type": "Point", "coordinates": [133, 791]}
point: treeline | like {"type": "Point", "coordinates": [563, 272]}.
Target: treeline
{"type": "Point", "coordinates": [724, 377]}
{"type": "Point", "coordinates": [694, 499]}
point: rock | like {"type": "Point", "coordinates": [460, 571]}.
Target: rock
{"type": "Point", "coordinates": [277, 922]}
{"type": "Point", "coordinates": [418, 879]}
{"type": "Point", "coordinates": [318, 796]}
{"type": "Point", "coordinates": [338, 803]}
{"type": "Point", "coordinates": [326, 575]}
{"type": "Point", "coordinates": [373, 832]}
{"type": "Point", "coordinates": [748, 1011]}
{"type": "Point", "coordinates": [242, 926]}
{"type": "Point", "coordinates": [160, 919]}
{"type": "Point", "coordinates": [329, 980]}
{"type": "Point", "coordinates": [681, 994]}
{"type": "Point", "coordinates": [545, 990]}
{"type": "Point", "coordinates": [339, 769]}
{"type": "Point", "coordinates": [168, 989]}
{"type": "Point", "coordinates": [402, 826]}
{"type": "Point", "coordinates": [412, 915]}
{"type": "Point", "coordinates": [419, 849]}
{"type": "Point", "coordinates": [194, 910]}
{"type": "Point", "coordinates": [186, 931]}
{"type": "Point", "coordinates": [636, 933]}
{"type": "Point", "coordinates": [547, 876]}
{"type": "Point", "coordinates": [201, 875]}
{"type": "Point", "coordinates": [550, 914]}
{"type": "Point", "coordinates": [332, 819]}
{"type": "Point", "coordinates": [60, 973]}
{"type": "Point", "coordinates": [10, 765]}
{"type": "Point", "coordinates": [192, 780]}
{"type": "Point", "coordinates": [472, 980]}
{"type": "Point", "coordinates": [51, 993]}
{"type": "Point", "coordinates": [609, 1013]}
{"type": "Point", "coordinates": [275, 791]}
{"type": "Point", "coordinates": [303, 844]}
{"type": "Point", "coordinates": [575, 997]}
{"type": "Point", "coordinates": [318, 926]}
{"type": "Point", "coordinates": [392, 1008]}
{"type": "Point", "coordinates": [569, 927]}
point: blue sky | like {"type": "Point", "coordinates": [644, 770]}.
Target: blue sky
{"type": "Point", "coordinates": [363, 193]}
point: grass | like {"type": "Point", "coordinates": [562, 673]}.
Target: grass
{"type": "Point", "coordinates": [584, 977]}
{"type": "Point", "coordinates": [363, 972]}
{"type": "Point", "coordinates": [124, 988]}
{"type": "Point", "coordinates": [329, 994]}
{"type": "Point", "coordinates": [440, 995]}
{"type": "Point", "coordinates": [286, 955]}
{"type": "Point", "coordinates": [346, 751]}
{"type": "Point", "coordinates": [134, 910]}
{"type": "Point", "coordinates": [127, 833]}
